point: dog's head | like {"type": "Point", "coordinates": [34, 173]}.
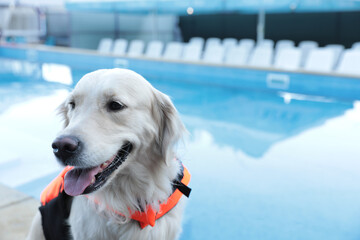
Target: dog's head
{"type": "Point", "coordinates": [110, 117]}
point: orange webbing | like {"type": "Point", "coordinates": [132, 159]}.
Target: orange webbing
{"type": "Point", "coordinates": [144, 218]}
{"type": "Point", "coordinates": [55, 187]}
{"type": "Point", "coordinates": [150, 216]}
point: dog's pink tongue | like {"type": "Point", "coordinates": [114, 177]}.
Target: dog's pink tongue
{"type": "Point", "coordinates": [77, 180]}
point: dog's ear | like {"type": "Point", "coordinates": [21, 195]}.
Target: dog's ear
{"type": "Point", "coordinates": [62, 111]}
{"type": "Point", "coordinates": [170, 127]}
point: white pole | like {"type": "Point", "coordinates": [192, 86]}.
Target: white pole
{"type": "Point", "coordinates": [261, 25]}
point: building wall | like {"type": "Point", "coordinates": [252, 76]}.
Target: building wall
{"type": "Point", "coordinates": [84, 30]}
{"type": "Point", "coordinates": [325, 28]}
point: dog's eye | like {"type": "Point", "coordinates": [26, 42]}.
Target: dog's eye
{"type": "Point", "coordinates": [72, 104]}
{"type": "Point", "coordinates": [115, 106]}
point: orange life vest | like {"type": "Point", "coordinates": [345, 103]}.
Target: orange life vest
{"type": "Point", "coordinates": [145, 218]}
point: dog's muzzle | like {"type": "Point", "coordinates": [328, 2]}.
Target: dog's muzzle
{"type": "Point", "coordinates": [82, 180]}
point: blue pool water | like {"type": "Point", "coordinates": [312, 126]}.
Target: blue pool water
{"type": "Point", "coordinates": [264, 165]}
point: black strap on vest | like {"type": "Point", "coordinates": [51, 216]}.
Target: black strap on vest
{"type": "Point", "coordinates": [54, 215]}
{"type": "Point", "coordinates": [182, 188]}
{"type": "Point", "coordinates": [177, 184]}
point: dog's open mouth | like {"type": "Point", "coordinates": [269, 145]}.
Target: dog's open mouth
{"type": "Point", "coordinates": [86, 180]}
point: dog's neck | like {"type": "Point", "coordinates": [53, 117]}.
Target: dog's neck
{"type": "Point", "coordinates": [142, 183]}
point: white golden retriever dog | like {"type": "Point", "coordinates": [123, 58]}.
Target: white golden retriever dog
{"type": "Point", "coordinates": [119, 135]}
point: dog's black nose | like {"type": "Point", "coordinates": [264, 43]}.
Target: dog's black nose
{"type": "Point", "coordinates": [65, 147]}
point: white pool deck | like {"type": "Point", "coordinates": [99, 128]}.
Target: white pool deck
{"type": "Point", "coordinates": [16, 213]}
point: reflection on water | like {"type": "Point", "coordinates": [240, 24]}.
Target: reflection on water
{"type": "Point", "coordinates": [304, 187]}
{"type": "Point", "coordinates": [10, 68]}
{"type": "Point", "coordinates": [250, 121]}
{"type": "Point", "coordinates": [28, 124]}
{"type": "Point", "coordinates": [303, 184]}
{"type": "Point", "coordinates": [263, 167]}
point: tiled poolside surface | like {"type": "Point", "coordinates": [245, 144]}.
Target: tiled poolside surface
{"type": "Point", "coordinates": [16, 213]}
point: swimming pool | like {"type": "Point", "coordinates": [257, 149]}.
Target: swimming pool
{"type": "Point", "coordinates": [265, 165]}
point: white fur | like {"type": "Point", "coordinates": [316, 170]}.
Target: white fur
{"type": "Point", "coordinates": [151, 123]}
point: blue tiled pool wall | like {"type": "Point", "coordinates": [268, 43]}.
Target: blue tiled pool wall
{"type": "Point", "coordinates": [240, 78]}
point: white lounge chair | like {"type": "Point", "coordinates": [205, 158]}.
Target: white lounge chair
{"type": "Point", "coordinates": [105, 45]}
{"type": "Point", "coordinates": [197, 41]}
{"type": "Point", "coordinates": [210, 42]}
{"type": "Point", "coordinates": [288, 58]}
{"type": "Point", "coordinates": [136, 48]}
{"type": "Point", "coordinates": [350, 62]}
{"type": "Point", "coordinates": [308, 43]}
{"type": "Point", "coordinates": [154, 49]}
{"type": "Point", "coordinates": [356, 45]}
{"type": "Point", "coordinates": [120, 46]}
{"type": "Point", "coordinates": [237, 56]}
{"type": "Point", "coordinates": [192, 52]}
{"type": "Point", "coordinates": [281, 44]}
{"type": "Point", "coordinates": [320, 60]}
{"type": "Point", "coordinates": [338, 49]}
{"type": "Point", "coordinates": [229, 43]}
{"type": "Point", "coordinates": [214, 54]}
{"type": "Point", "coordinates": [247, 43]}
{"type": "Point", "coordinates": [266, 43]}
{"type": "Point", "coordinates": [173, 51]}
{"type": "Point", "coordinates": [306, 47]}
{"type": "Point", "coordinates": [261, 57]}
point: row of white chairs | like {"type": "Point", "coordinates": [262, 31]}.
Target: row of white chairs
{"type": "Point", "coordinates": [284, 55]}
